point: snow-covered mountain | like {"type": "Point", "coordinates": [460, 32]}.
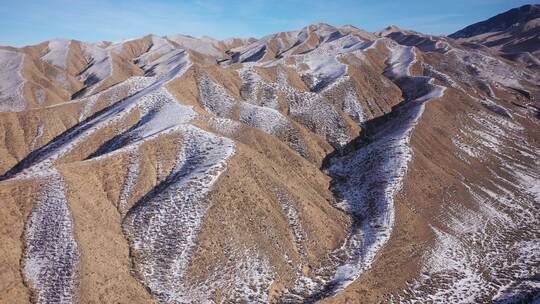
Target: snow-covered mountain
{"type": "Point", "coordinates": [325, 164]}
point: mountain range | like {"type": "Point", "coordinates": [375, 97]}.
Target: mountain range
{"type": "Point", "coordinates": [327, 164]}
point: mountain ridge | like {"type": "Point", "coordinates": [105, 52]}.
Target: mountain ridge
{"type": "Point", "coordinates": [305, 166]}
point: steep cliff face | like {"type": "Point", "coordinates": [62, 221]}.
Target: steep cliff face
{"type": "Point", "coordinates": [323, 164]}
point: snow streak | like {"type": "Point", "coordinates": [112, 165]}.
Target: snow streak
{"type": "Point", "coordinates": [51, 253]}
{"type": "Point", "coordinates": [11, 81]}
{"type": "Point", "coordinates": [365, 181]}
{"type": "Point", "coordinates": [163, 226]}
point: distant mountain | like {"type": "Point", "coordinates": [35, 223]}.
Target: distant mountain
{"type": "Point", "coordinates": [325, 163]}
{"type": "Point", "coordinates": [514, 34]}
{"type": "Point", "coordinates": [507, 21]}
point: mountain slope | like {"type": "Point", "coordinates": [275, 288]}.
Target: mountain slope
{"type": "Point", "coordinates": [325, 164]}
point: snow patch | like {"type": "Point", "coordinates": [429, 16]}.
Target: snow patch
{"type": "Point", "coordinates": [51, 254]}
{"type": "Point", "coordinates": [11, 82]}
{"type": "Point", "coordinates": [205, 47]}
{"type": "Point", "coordinates": [58, 52]}
{"type": "Point", "coordinates": [99, 66]}
{"type": "Point", "coordinates": [162, 227]}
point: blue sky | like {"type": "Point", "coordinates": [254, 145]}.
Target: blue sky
{"type": "Point", "coordinates": [25, 22]}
